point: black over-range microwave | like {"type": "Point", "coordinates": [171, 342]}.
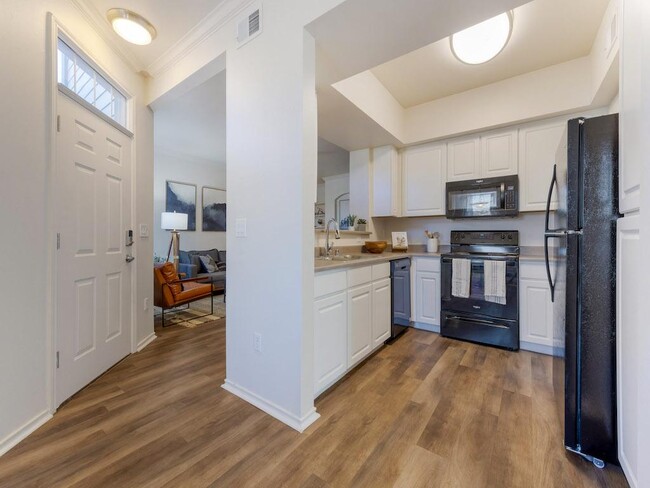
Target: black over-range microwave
{"type": "Point", "coordinates": [487, 197]}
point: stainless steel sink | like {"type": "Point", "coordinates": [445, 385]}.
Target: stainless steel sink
{"type": "Point", "coordinates": [342, 257]}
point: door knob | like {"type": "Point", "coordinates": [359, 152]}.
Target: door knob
{"type": "Point", "coordinates": [129, 258]}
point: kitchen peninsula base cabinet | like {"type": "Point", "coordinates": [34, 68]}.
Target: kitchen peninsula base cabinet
{"type": "Point", "coordinates": [537, 330]}
{"type": "Point", "coordinates": [351, 319]}
{"type": "Point", "coordinates": [427, 293]}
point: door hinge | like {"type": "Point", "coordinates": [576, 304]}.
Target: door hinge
{"type": "Point", "coordinates": [57, 359]}
{"type": "Point", "coordinates": [58, 241]}
{"type": "Point", "coordinates": [58, 123]}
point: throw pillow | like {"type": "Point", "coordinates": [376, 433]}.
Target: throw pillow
{"type": "Point", "coordinates": [209, 264]}
{"type": "Point", "coordinates": [221, 266]}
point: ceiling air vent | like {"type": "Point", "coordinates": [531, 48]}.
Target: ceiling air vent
{"type": "Point", "coordinates": [249, 27]}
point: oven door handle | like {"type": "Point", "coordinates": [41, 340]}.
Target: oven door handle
{"type": "Point", "coordinates": [478, 321]}
{"type": "Point", "coordinates": [507, 259]}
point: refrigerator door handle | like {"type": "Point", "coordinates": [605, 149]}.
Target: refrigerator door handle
{"type": "Point", "coordinates": [548, 267]}
{"type": "Point", "coordinates": [551, 233]}
{"type": "Point", "coordinates": [548, 199]}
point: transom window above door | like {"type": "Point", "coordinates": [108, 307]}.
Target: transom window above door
{"type": "Point", "coordinates": [79, 77]}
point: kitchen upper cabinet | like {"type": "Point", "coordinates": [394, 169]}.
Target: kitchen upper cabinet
{"type": "Point", "coordinates": [464, 159]}
{"type": "Point", "coordinates": [386, 182]}
{"type": "Point", "coordinates": [538, 150]}
{"type": "Point", "coordinates": [499, 153]}
{"type": "Point", "coordinates": [359, 323]}
{"type": "Point", "coordinates": [427, 291]}
{"type": "Point", "coordinates": [330, 340]}
{"type": "Point", "coordinates": [424, 173]}
{"type": "Point", "coordinates": [536, 321]}
{"type": "Point", "coordinates": [380, 312]}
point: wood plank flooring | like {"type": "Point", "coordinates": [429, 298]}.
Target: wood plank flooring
{"type": "Point", "coordinates": [424, 412]}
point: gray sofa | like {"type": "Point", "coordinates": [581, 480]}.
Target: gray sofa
{"type": "Point", "coordinates": [190, 264]}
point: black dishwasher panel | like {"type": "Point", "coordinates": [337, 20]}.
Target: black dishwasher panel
{"type": "Point", "coordinates": [400, 275]}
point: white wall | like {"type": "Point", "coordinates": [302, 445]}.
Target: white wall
{"type": "Point", "coordinates": [168, 166]}
{"type": "Point", "coordinates": [529, 225]}
{"type": "Point", "coordinates": [335, 186]}
{"type": "Point", "coordinates": [28, 241]}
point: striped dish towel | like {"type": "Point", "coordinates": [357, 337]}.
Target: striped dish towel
{"type": "Point", "coordinates": [461, 270]}
{"type": "Point", "coordinates": [495, 281]}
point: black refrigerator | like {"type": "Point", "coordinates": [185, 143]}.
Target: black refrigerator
{"type": "Point", "coordinates": [580, 249]}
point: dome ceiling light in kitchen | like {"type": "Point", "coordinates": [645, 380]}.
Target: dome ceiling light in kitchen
{"type": "Point", "coordinates": [131, 27]}
{"type": "Point", "coordinates": [482, 42]}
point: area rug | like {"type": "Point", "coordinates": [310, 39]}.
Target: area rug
{"type": "Point", "coordinates": [196, 314]}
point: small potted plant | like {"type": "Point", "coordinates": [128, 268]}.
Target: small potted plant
{"type": "Point", "coordinates": [361, 225]}
{"type": "Point", "coordinates": [351, 220]}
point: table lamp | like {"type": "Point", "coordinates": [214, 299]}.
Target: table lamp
{"type": "Point", "coordinates": [174, 222]}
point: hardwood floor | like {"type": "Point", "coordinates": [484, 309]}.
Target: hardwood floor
{"type": "Point", "coordinates": [424, 412]}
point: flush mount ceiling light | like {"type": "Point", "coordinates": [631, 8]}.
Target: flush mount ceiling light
{"type": "Point", "coordinates": [131, 27]}
{"type": "Point", "coordinates": [482, 42]}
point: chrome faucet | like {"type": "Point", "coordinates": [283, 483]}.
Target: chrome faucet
{"type": "Point", "coordinates": [337, 235]}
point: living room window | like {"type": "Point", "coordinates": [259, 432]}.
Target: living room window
{"type": "Point", "coordinates": [78, 77]}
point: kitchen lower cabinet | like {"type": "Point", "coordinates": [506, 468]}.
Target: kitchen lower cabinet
{"type": "Point", "coordinates": [381, 317]}
{"type": "Point", "coordinates": [536, 321]}
{"type": "Point", "coordinates": [427, 293]}
{"type": "Point", "coordinates": [352, 318]}
{"type": "Point", "coordinates": [359, 323]}
{"type": "Point", "coordinates": [330, 340]}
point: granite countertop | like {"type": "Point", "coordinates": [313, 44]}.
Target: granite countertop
{"type": "Point", "coordinates": [527, 253]}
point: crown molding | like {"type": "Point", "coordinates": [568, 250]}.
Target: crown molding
{"type": "Point", "coordinates": [102, 28]}
{"type": "Point", "coordinates": [224, 13]}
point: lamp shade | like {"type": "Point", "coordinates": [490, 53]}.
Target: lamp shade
{"type": "Point", "coordinates": [173, 221]}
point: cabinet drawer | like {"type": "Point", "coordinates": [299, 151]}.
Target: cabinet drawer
{"type": "Point", "coordinates": [380, 271]}
{"type": "Point", "coordinates": [328, 283]}
{"type": "Point", "coordinates": [428, 264]}
{"type": "Point", "coordinates": [359, 276]}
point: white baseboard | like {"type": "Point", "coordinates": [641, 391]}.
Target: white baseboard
{"type": "Point", "coordinates": [542, 349]}
{"type": "Point", "coordinates": [427, 327]}
{"type": "Point", "coordinates": [297, 423]}
{"type": "Point", "coordinates": [629, 474]}
{"type": "Point", "coordinates": [145, 342]}
{"type": "Point", "coordinates": [19, 434]}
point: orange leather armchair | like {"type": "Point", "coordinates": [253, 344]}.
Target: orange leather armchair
{"type": "Point", "coordinates": [171, 292]}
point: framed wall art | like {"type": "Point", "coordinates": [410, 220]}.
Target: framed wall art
{"type": "Point", "coordinates": [214, 209]}
{"type": "Point", "coordinates": [181, 198]}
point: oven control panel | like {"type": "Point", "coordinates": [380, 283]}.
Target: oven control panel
{"type": "Point", "coordinates": [494, 237]}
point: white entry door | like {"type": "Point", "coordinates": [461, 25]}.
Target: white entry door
{"type": "Point", "coordinates": [93, 193]}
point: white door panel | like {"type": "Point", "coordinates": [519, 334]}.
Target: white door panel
{"type": "Point", "coordinates": [499, 153]}
{"type": "Point", "coordinates": [330, 340]}
{"type": "Point", "coordinates": [427, 297]}
{"type": "Point", "coordinates": [93, 193]}
{"type": "Point", "coordinates": [359, 323]}
{"type": "Point", "coordinates": [424, 175]}
{"type": "Point", "coordinates": [463, 159]}
{"type": "Point", "coordinates": [381, 317]}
